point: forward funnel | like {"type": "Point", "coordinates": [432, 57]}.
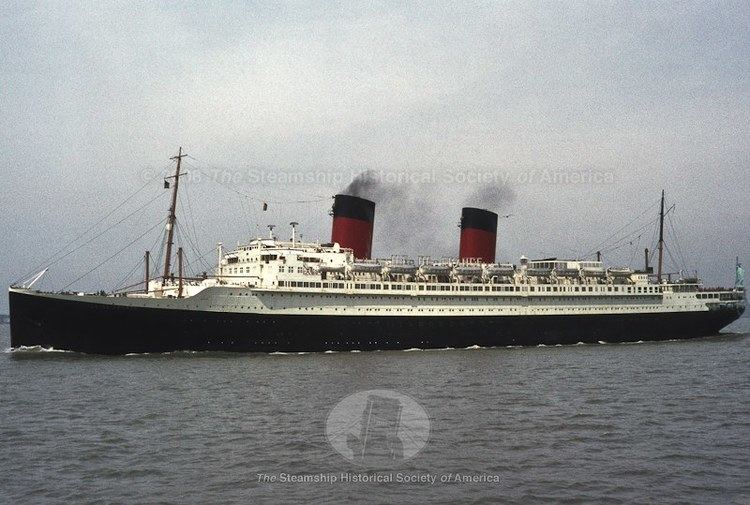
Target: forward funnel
{"type": "Point", "coordinates": [353, 219]}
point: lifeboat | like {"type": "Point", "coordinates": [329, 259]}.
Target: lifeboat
{"type": "Point", "coordinates": [435, 269]}
{"type": "Point", "coordinates": [620, 271]}
{"type": "Point", "coordinates": [336, 269]}
{"type": "Point", "coordinates": [401, 269]}
{"type": "Point", "coordinates": [500, 270]}
{"type": "Point", "coordinates": [538, 272]}
{"type": "Point", "coordinates": [567, 272]}
{"type": "Point", "coordinates": [467, 269]}
{"type": "Point", "coordinates": [593, 272]}
{"type": "Point", "coordinates": [367, 267]}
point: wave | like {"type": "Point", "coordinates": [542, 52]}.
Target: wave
{"type": "Point", "coordinates": [40, 349]}
{"type": "Point", "coordinates": [170, 353]}
{"type": "Point", "coordinates": [35, 349]}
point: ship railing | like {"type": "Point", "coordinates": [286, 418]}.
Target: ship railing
{"type": "Point", "coordinates": [369, 261]}
{"type": "Point", "coordinates": [398, 259]}
{"type": "Point", "coordinates": [720, 289]}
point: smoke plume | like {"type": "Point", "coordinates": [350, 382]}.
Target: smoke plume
{"type": "Point", "coordinates": [494, 198]}
{"type": "Point", "coordinates": [411, 218]}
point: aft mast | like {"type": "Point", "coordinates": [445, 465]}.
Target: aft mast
{"type": "Point", "coordinates": [172, 214]}
{"type": "Point", "coordinates": [661, 238]}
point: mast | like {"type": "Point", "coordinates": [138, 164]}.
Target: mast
{"type": "Point", "coordinates": [148, 269]}
{"type": "Point", "coordinates": [172, 214]}
{"type": "Point", "coordinates": [220, 250]}
{"type": "Point", "coordinates": [179, 271]}
{"type": "Point", "coordinates": [661, 237]}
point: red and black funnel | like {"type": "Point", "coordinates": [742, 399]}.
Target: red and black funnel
{"type": "Point", "coordinates": [353, 219]}
{"type": "Point", "coordinates": [478, 234]}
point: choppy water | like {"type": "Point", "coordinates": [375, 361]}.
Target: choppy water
{"type": "Point", "coordinates": [653, 422]}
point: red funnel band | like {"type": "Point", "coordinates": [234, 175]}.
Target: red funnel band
{"type": "Point", "coordinates": [354, 234]}
{"type": "Point", "coordinates": [477, 244]}
{"type": "Point", "coordinates": [353, 219]}
{"type": "Point", "coordinates": [478, 234]}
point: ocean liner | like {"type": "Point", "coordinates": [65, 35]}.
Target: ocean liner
{"type": "Point", "coordinates": [273, 295]}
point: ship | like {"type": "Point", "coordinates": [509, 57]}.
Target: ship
{"type": "Point", "coordinates": [271, 295]}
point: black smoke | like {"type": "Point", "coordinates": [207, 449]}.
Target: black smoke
{"type": "Point", "coordinates": [366, 185]}
{"type": "Point", "coordinates": [495, 197]}
{"type": "Point", "coordinates": [422, 218]}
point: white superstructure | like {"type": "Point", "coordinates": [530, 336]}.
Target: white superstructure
{"type": "Point", "coordinates": [267, 275]}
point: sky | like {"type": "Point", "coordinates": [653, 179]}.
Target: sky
{"type": "Point", "coordinates": [568, 116]}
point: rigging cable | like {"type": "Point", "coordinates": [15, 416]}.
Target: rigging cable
{"type": "Point", "coordinates": [192, 217]}
{"type": "Point", "coordinates": [653, 244]}
{"type": "Point", "coordinates": [675, 264]}
{"type": "Point", "coordinates": [189, 242]}
{"type": "Point", "coordinates": [675, 238]}
{"type": "Point", "coordinates": [605, 241]}
{"type": "Point", "coordinates": [251, 198]}
{"type": "Point", "coordinates": [622, 241]}
{"type": "Point", "coordinates": [246, 215]}
{"type": "Point", "coordinates": [127, 276]}
{"type": "Point", "coordinates": [117, 253]}
{"type": "Point", "coordinates": [86, 231]}
{"type": "Point", "coordinates": [119, 286]}
{"type": "Point", "coordinates": [184, 236]}
{"type": "Point", "coordinates": [202, 256]}
{"type": "Point", "coordinates": [159, 257]}
{"type": "Point", "coordinates": [102, 232]}
{"type": "Point", "coordinates": [635, 249]}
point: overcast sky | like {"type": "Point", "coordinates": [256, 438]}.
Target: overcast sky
{"type": "Point", "coordinates": [581, 111]}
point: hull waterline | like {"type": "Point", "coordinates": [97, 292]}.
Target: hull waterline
{"type": "Point", "coordinates": [79, 325]}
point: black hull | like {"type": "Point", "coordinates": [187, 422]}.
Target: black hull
{"type": "Point", "coordinates": [108, 329]}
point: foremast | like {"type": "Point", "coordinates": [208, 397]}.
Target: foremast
{"type": "Point", "coordinates": [172, 218]}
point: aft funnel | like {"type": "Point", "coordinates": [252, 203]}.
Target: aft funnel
{"type": "Point", "coordinates": [478, 234]}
